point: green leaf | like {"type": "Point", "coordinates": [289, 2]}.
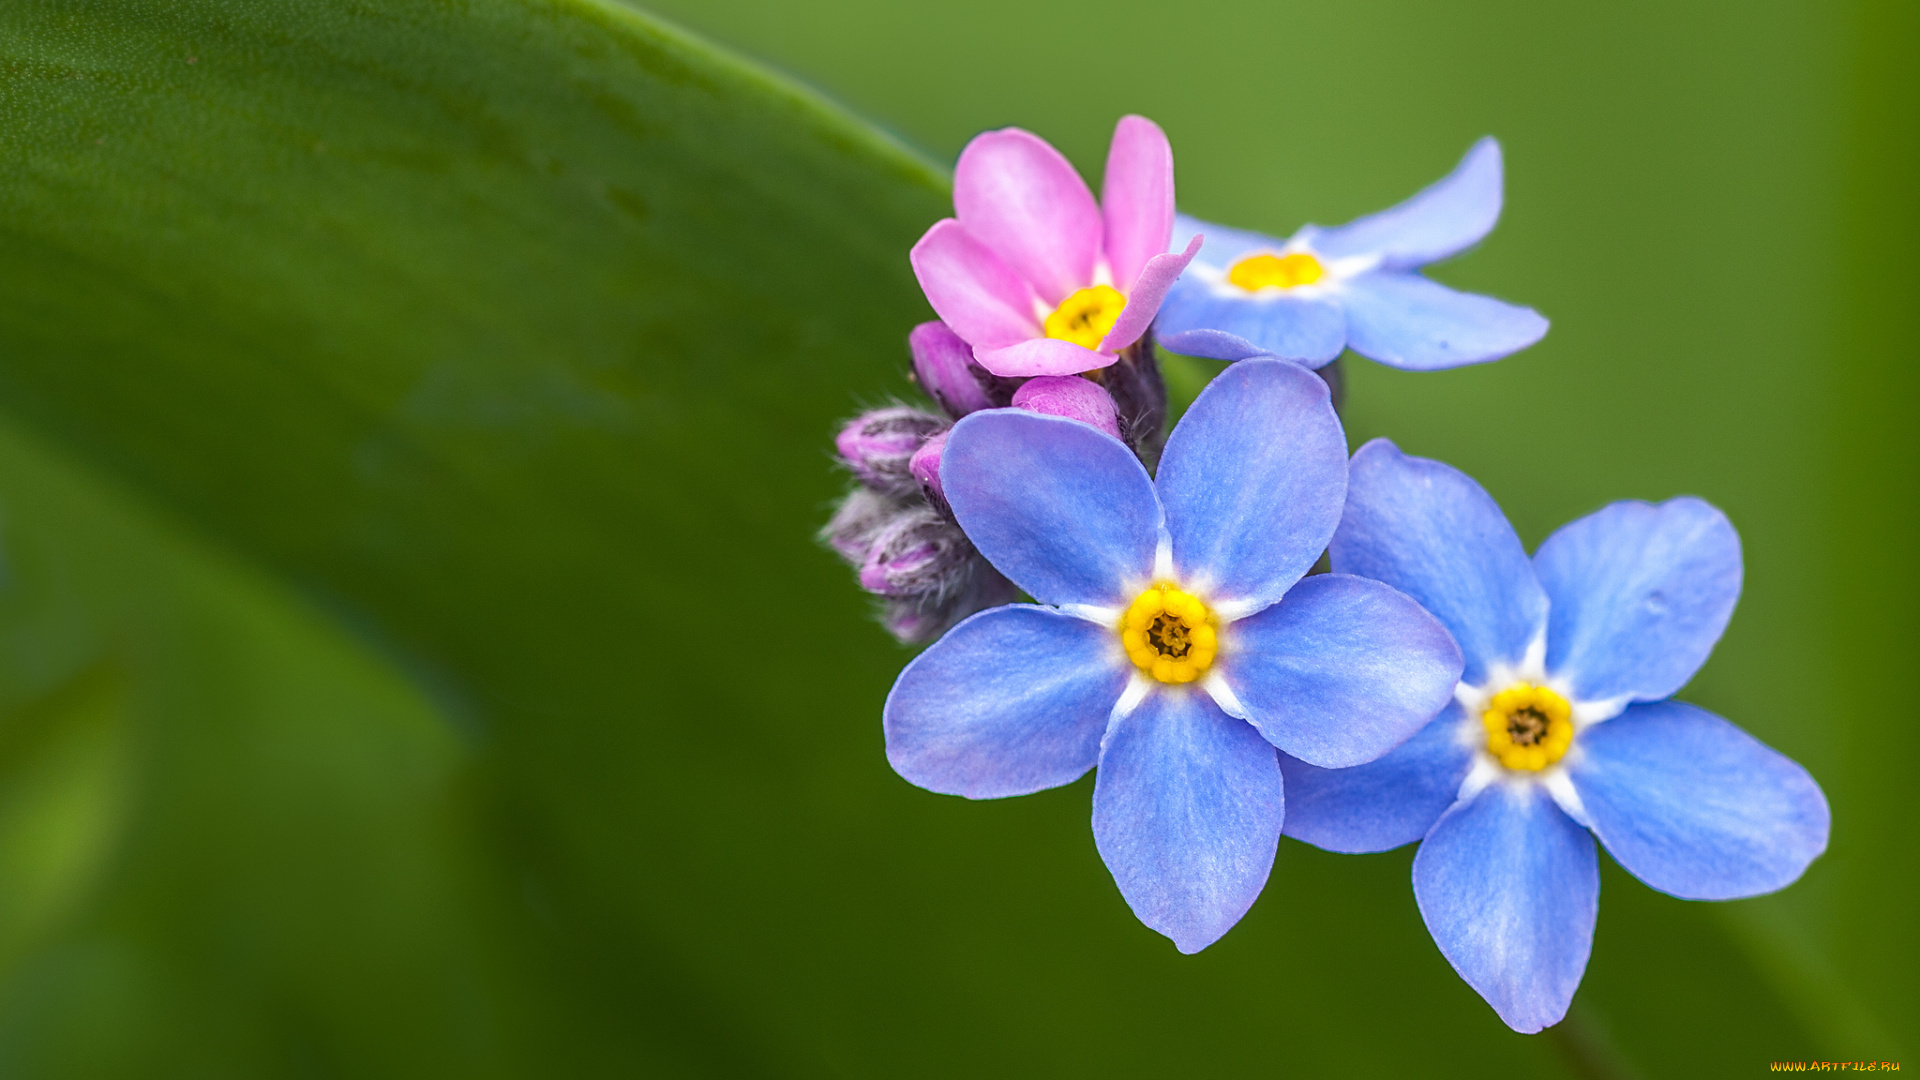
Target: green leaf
{"type": "Point", "coordinates": [223, 823]}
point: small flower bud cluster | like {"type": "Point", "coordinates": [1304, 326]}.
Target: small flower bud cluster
{"type": "Point", "coordinates": [894, 527]}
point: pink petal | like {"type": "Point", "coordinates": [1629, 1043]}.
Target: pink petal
{"type": "Point", "coordinates": [1041, 356]}
{"type": "Point", "coordinates": [1143, 303]}
{"type": "Point", "coordinates": [1022, 199]}
{"type": "Point", "coordinates": [1066, 395]}
{"type": "Point", "coordinates": [975, 293]}
{"type": "Point", "coordinates": [1137, 198]}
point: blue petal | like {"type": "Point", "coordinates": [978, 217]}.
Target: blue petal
{"type": "Point", "coordinates": [1427, 529]}
{"type": "Point", "coordinates": [1274, 323]}
{"type": "Point", "coordinates": [1694, 806]}
{"type": "Point", "coordinates": [1640, 594]}
{"type": "Point", "coordinates": [1445, 219]}
{"type": "Point", "coordinates": [1223, 246]}
{"type": "Point", "coordinates": [1406, 321]}
{"type": "Point", "coordinates": [1253, 480]}
{"type": "Point", "coordinates": [1340, 671]}
{"type": "Point", "coordinates": [1011, 701]}
{"type": "Point", "coordinates": [1509, 887]}
{"type": "Point", "coordinates": [1212, 344]}
{"type": "Point", "coordinates": [1064, 511]}
{"type": "Point", "coordinates": [1382, 804]}
{"type": "Point", "coordinates": [1186, 813]}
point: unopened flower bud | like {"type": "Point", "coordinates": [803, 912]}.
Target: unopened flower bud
{"type": "Point", "coordinates": [1070, 396]}
{"type": "Point", "coordinates": [944, 367]}
{"type": "Point", "coordinates": [917, 554]}
{"type": "Point", "coordinates": [925, 468]}
{"type": "Point", "coordinates": [879, 445]}
{"type": "Point", "coordinates": [860, 518]}
{"type": "Point", "coordinates": [925, 618]}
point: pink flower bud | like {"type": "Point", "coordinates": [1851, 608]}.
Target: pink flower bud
{"type": "Point", "coordinates": [1070, 396]}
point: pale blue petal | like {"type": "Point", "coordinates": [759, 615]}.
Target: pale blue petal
{"type": "Point", "coordinates": [1271, 322]}
{"type": "Point", "coordinates": [1212, 344]}
{"type": "Point", "coordinates": [1640, 595]}
{"type": "Point", "coordinates": [1694, 806]}
{"type": "Point", "coordinates": [1382, 804]}
{"type": "Point", "coordinates": [1509, 887]}
{"type": "Point", "coordinates": [1186, 813]}
{"type": "Point", "coordinates": [1429, 530]}
{"type": "Point", "coordinates": [1406, 321]}
{"type": "Point", "coordinates": [1011, 701]}
{"type": "Point", "coordinates": [1064, 511]}
{"type": "Point", "coordinates": [1445, 219]}
{"type": "Point", "coordinates": [1341, 670]}
{"type": "Point", "coordinates": [1223, 246]}
{"type": "Point", "coordinates": [1253, 480]}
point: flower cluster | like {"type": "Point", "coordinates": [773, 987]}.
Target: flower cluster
{"type": "Point", "coordinates": [1434, 685]}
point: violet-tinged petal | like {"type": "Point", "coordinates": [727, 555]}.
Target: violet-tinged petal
{"type": "Point", "coordinates": [1024, 201]}
{"type": "Point", "coordinates": [1198, 320]}
{"type": "Point", "coordinates": [1444, 220]}
{"type": "Point", "coordinates": [1012, 701]}
{"type": "Point", "coordinates": [943, 366]}
{"type": "Point", "coordinates": [1065, 512]}
{"type": "Point", "coordinates": [1406, 321]}
{"type": "Point", "coordinates": [1341, 670]}
{"type": "Point", "coordinates": [1187, 811]}
{"type": "Point", "coordinates": [1253, 480]}
{"type": "Point", "coordinates": [981, 298]}
{"type": "Point", "coordinates": [1041, 356]}
{"type": "Point", "coordinates": [1136, 199]}
{"type": "Point", "coordinates": [1211, 344]}
{"type": "Point", "coordinates": [1640, 595]}
{"type": "Point", "coordinates": [1383, 804]}
{"type": "Point", "coordinates": [1509, 887]}
{"type": "Point", "coordinates": [1143, 303]}
{"type": "Point", "coordinates": [924, 466]}
{"type": "Point", "coordinates": [1070, 396]}
{"type": "Point", "coordinates": [1427, 529]}
{"type": "Point", "coordinates": [1695, 807]}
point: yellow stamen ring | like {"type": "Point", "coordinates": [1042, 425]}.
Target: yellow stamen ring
{"type": "Point", "coordinates": [1528, 727]}
{"type": "Point", "coordinates": [1283, 271]}
{"type": "Point", "coordinates": [1170, 634]}
{"type": "Point", "coordinates": [1085, 317]}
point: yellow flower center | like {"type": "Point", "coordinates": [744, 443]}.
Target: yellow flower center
{"type": "Point", "coordinates": [1170, 634]}
{"type": "Point", "coordinates": [1528, 727]}
{"type": "Point", "coordinates": [1285, 271]}
{"type": "Point", "coordinates": [1085, 317]}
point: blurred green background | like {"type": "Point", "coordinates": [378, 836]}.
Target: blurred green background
{"type": "Point", "coordinates": [414, 658]}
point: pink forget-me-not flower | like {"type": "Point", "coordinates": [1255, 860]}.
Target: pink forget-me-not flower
{"type": "Point", "coordinates": [1561, 730]}
{"type": "Point", "coordinates": [1036, 277]}
{"type": "Point", "coordinates": [1356, 286]}
{"type": "Point", "coordinates": [1176, 643]}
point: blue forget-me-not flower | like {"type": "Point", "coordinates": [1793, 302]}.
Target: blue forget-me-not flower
{"type": "Point", "coordinates": [1175, 644]}
{"type": "Point", "coordinates": [1561, 730]}
{"type": "Point", "coordinates": [1308, 297]}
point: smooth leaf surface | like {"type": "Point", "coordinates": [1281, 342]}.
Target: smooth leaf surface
{"type": "Point", "coordinates": [223, 825]}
